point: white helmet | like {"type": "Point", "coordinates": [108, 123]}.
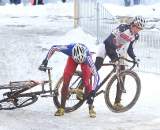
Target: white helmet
{"type": "Point", "coordinates": [139, 21]}
{"type": "Point", "coordinates": [79, 53]}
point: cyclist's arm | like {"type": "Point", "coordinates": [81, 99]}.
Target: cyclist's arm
{"type": "Point", "coordinates": [130, 48]}
{"type": "Point", "coordinates": [60, 48]}
{"type": "Point", "coordinates": [130, 51]}
{"type": "Point", "coordinates": [94, 73]}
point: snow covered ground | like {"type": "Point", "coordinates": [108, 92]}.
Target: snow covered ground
{"type": "Point", "coordinates": [26, 34]}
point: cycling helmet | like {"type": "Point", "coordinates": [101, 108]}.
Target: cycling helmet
{"type": "Point", "coordinates": [139, 21]}
{"type": "Point", "coordinates": [79, 53]}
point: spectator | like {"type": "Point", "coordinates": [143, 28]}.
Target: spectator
{"type": "Point", "coordinates": [37, 2]}
{"type": "Point", "coordinates": [15, 1]}
{"type": "Point", "coordinates": [1, 2]}
{"type": "Point", "coordinates": [127, 2]}
{"type": "Point", "coordinates": [136, 2]}
{"type": "Point", "coordinates": [63, 1]}
{"type": "Point", "coordinates": [12, 1]}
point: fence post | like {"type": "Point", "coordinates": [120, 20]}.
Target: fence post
{"type": "Point", "coordinates": [97, 21]}
{"type": "Point", "coordinates": [76, 13]}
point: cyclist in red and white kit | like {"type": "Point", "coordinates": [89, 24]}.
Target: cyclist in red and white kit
{"type": "Point", "coordinates": [119, 43]}
{"type": "Point", "coordinates": [78, 54]}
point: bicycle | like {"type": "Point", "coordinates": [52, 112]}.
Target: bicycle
{"type": "Point", "coordinates": [116, 88]}
{"type": "Point", "coordinates": [16, 95]}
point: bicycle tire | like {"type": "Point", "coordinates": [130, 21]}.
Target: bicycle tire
{"type": "Point", "coordinates": [20, 101]}
{"type": "Point", "coordinates": [127, 107]}
{"type": "Point", "coordinates": [30, 99]}
{"type": "Point", "coordinates": [57, 97]}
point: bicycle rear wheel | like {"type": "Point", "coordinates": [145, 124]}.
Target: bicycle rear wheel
{"type": "Point", "coordinates": [131, 83]}
{"type": "Point", "coordinates": [8, 102]}
{"type": "Point", "coordinates": [72, 102]}
{"type": "Point", "coordinates": [24, 100]}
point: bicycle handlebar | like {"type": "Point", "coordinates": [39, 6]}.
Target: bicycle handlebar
{"type": "Point", "coordinates": [131, 61]}
{"type": "Point", "coordinates": [47, 68]}
{"type": "Point", "coordinates": [114, 63]}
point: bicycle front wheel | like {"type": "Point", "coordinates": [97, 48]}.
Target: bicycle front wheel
{"type": "Point", "coordinates": [131, 85]}
{"type": "Point", "coordinates": [72, 102]}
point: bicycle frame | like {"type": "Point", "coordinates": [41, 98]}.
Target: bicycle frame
{"type": "Point", "coordinates": [106, 78]}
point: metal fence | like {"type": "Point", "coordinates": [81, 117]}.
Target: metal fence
{"type": "Point", "coordinates": [96, 20]}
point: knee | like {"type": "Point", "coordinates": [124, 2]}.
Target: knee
{"type": "Point", "coordinates": [98, 62]}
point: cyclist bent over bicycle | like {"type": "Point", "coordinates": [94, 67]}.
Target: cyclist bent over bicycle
{"type": "Point", "coordinates": [77, 54]}
{"type": "Point", "coordinates": [119, 43]}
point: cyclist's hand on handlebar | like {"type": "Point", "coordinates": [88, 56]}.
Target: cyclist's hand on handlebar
{"type": "Point", "coordinates": [136, 61]}
{"type": "Point", "coordinates": [114, 61]}
{"type": "Point", "coordinates": [43, 66]}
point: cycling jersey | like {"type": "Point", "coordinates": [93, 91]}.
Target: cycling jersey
{"type": "Point", "coordinates": [120, 42]}
{"type": "Point", "coordinates": [67, 49]}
